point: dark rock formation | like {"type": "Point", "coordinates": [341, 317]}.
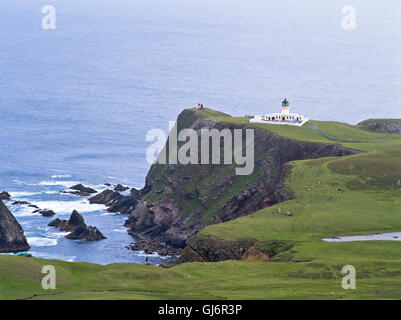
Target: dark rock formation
{"type": "Point", "coordinates": [179, 200]}
{"type": "Point", "coordinates": [5, 196]}
{"type": "Point", "coordinates": [154, 245]}
{"type": "Point", "coordinates": [83, 191]}
{"type": "Point", "coordinates": [76, 219]}
{"type": "Point", "coordinates": [45, 212]}
{"type": "Point", "coordinates": [382, 125]}
{"type": "Point", "coordinates": [120, 188]}
{"type": "Point", "coordinates": [115, 201]}
{"type": "Point", "coordinates": [61, 224]}
{"type": "Point", "coordinates": [76, 193]}
{"type": "Point", "coordinates": [79, 230]}
{"type": "Point", "coordinates": [21, 203]}
{"type": "Point", "coordinates": [135, 193]}
{"type": "Point", "coordinates": [87, 233]}
{"type": "Point", "coordinates": [12, 237]}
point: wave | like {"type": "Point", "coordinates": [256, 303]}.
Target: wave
{"type": "Point", "coordinates": [107, 213]}
{"type": "Point", "coordinates": [154, 254]}
{"type": "Point", "coordinates": [64, 183]}
{"type": "Point", "coordinates": [21, 194]}
{"type": "Point", "coordinates": [41, 242]}
{"type": "Point", "coordinates": [60, 176]}
{"type": "Point", "coordinates": [23, 211]}
{"type": "Point", "coordinates": [66, 207]}
{"type": "Point", "coordinates": [18, 194]}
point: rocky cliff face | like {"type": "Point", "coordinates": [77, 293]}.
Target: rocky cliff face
{"type": "Point", "coordinates": [12, 237]}
{"type": "Point", "coordinates": [179, 200]}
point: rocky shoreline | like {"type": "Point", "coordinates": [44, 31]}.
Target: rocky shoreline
{"type": "Point", "coordinates": [151, 246]}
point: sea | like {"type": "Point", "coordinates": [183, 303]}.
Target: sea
{"type": "Point", "coordinates": [77, 101]}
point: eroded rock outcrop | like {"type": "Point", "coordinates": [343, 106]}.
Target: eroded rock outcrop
{"type": "Point", "coordinates": [5, 196]}
{"type": "Point", "coordinates": [12, 237]}
{"type": "Point", "coordinates": [45, 212]}
{"type": "Point", "coordinates": [77, 228]}
{"type": "Point", "coordinates": [120, 188]}
{"type": "Point", "coordinates": [114, 201]}
{"type": "Point", "coordinates": [81, 190]}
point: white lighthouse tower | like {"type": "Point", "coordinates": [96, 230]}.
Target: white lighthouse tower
{"type": "Point", "coordinates": [285, 109]}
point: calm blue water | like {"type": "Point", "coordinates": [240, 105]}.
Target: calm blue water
{"type": "Point", "coordinates": [76, 102]}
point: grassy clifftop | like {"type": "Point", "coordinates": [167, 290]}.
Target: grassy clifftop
{"type": "Point", "coordinates": [355, 194]}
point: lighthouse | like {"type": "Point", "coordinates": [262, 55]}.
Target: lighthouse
{"type": "Point", "coordinates": [285, 117]}
{"type": "Point", "coordinates": [285, 109]}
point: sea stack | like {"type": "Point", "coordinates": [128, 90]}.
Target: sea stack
{"type": "Point", "coordinates": [12, 237]}
{"type": "Point", "coordinates": [79, 230]}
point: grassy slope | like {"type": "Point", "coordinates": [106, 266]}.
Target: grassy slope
{"type": "Point", "coordinates": [377, 271]}
{"type": "Point", "coordinates": [356, 194]}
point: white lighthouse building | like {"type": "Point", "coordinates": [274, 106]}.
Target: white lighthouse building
{"type": "Point", "coordinates": [285, 117]}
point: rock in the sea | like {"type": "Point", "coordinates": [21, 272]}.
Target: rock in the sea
{"type": "Point", "coordinates": [45, 212]}
{"type": "Point", "coordinates": [83, 191]}
{"type": "Point", "coordinates": [79, 230]}
{"type": "Point", "coordinates": [107, 197]}
{"type": "Point", "coordinates": [4, 195]}
{"type": "Point", "coordinates": [76, 219]}
{"type": "Point", "coordinates": [76, 193]}
{"type": "Point", "coordinates": [22, 203]}
{"type": "Point", "coordinates": [115, 201]}
{"type": "Point", "coordinates": [12, 237]}
{"type": "Point", "coordinates": [120, 188]}
{"type": "Point", "coordinates": [87, 233]}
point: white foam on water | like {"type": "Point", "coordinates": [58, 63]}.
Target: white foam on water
{"type": "Point", "coordinates": [144, 254]}
{"type": "Point", "coordinates": [64, 183]}
{"type": "Point", "coordinates": [390, 236]}
{"type": "Point", "coordinates": [58, 234]}
{"type": "Point", "coordinates": [109, 213]}
{"type": "Point", "coordinates": [21, 195]}
{"type": "Point", "coordinates": [60, 176]}
{"type": "Point", "coordinates": [66, 207]}
{"type": "Point", "coordinates": [18, 194]}
{"type": "Point", "coordinates": [126, 192]}
{"type": "Point", "coordinates": [41, 242]}
{"type": "Point", "coordinates": [22, 211]}
{"type": "Point", "coordinates": [122, 230]}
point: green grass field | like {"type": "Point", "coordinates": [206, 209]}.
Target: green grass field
{"type": "Point", "coordinates": [358, 194]}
